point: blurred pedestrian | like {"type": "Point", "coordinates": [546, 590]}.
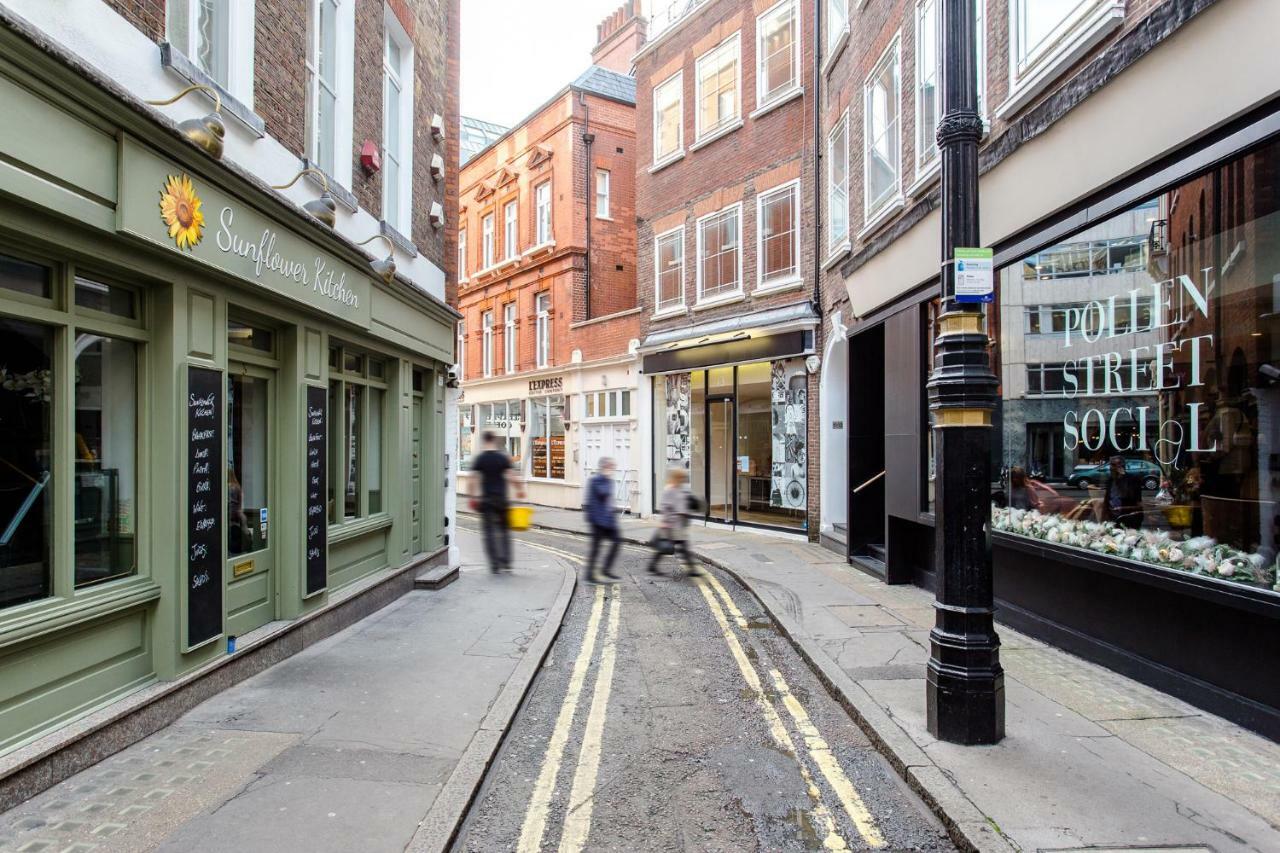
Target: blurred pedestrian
{"type": "Point", "coordinates": [674, 508]}
{"type": "Point", "coordinates": [603, 519]}
{"type": "Point", "coordinates": [495, 478]}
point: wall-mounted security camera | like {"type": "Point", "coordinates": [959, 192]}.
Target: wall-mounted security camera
{"type": "Point", "coordinates": [452, 379]}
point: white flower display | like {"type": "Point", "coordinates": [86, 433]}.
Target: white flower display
{"type": "Point", "coordinates": [1201, 555]}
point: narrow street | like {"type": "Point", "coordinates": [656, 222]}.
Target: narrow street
{"type": "Point", "coordinates": [671, 715]}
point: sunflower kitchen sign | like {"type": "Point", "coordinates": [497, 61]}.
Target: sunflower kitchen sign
{"type": "Point", "coordinates": [162, 203]}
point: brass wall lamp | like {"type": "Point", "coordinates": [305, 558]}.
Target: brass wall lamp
{"type": "Point", "coordinates": [324, 208]}
{"type": "Point", "coordinates": [207, 132]}
{"type": "Point", "coordinates": [385, 268]}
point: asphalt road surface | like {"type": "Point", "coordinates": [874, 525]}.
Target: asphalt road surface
{"type": "Point", "coordinates": [671, 715]}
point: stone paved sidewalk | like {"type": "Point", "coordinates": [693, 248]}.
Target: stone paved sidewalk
{"type": "Point", "coordinates": [349, 745]}
{"type": "Point", "coordinates": [1091, 758]}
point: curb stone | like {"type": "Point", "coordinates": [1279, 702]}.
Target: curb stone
{"type": "Point", "coordinates": [439, 828]}
{"type": "Point", "coordinates": [966, 825]}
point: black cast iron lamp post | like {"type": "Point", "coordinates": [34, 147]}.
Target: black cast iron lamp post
{"type": "Point", "coordinates": [965, 684]}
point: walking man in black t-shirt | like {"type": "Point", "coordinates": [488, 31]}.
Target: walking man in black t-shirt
{"type": "Point", "coordinates": [494, 475]}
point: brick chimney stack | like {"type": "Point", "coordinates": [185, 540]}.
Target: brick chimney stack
{"type": "Point", "coordinates": [619, 37]}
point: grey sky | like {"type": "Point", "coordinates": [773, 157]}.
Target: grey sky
{"type": "Point", "coordinates": [517, 54]}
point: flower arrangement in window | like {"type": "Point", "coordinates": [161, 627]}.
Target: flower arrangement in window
{"type": "Point", "coordinates": [1201, 555]}
{"type": "Point", "coordinates": [35, 384]}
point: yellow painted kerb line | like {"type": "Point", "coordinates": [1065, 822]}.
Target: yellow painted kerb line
{"type": "Point", "coordinates": [535, 818]}
{"type": "Point", "coordinates": [577, 823]}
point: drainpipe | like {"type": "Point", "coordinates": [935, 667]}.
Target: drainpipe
{"type": "Point", "coordinates": [588, 139]}
{"type": "Point", "coordinates": [817, 159]}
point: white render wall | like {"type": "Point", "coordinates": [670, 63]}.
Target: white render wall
{"type": "Point", "coordinates": [105, 40]}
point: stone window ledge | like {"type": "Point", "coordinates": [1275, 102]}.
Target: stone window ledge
{"type": "Point", "coordinates": [176, 61]}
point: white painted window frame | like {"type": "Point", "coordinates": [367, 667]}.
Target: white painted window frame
{"type": "Point", "coordinates": [462, 349]}
{"type": "Point", "coordinates": [722, 123]}
{"type": "Point", "coordinates": [792, 188]}
{"type": "Point", "coordinates": [836, 241]}
{"type": "Point", "coordinates": [343, 88]}
{"type": "Point", "coordinates": [927, 165]}
{"type": "Point", "coordinates": [511, 230]}
{"type": "Point", "coordinates": [874, 208]}
{"type": "Point", "coordinates": [726, 296]}
{"type": "Point", "coordinates": [603, 194]}
{"type": "Point", "coordinates": [509, 342]}
{"type": "Point", "coordinates": [487, 248]}
{"type": "Point", "coordinates": [835, 35]}
{"type": "Point", "coordinates": [462, 254]}
{"type": "Point", "coordinates": [542, 328]}
{"type": "Point", "coordinates": [486, 356]}
{"type": "Point", "coordinates": [542, 212]}
{"type": "Point", "coordinates": [763, 99]}
{"type": "Point", "coordinates": [400, 218]}
{"type": "Point", "coordinates": [677, 81]}
{"type": "Point", "coordinates": [238, 44]}
{"type": "Point", "coordinates": [1032, 71]}
{"type": "Point", "coordinates": [671, 306]}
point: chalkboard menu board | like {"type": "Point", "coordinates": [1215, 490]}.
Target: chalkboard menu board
{"type": "Point", "coordinates": [317, 489]}
{"type": "Point", "coordinates": [204, 504]}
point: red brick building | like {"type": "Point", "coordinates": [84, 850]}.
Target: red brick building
{"type": "Point", "coordinates": [547, 285]}
{"type": "Point", "coordinates": [727, 267]}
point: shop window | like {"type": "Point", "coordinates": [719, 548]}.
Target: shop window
{"type": "Point", "coordinates": [668, 118]}
{"type": "Point", "coordinates": [546, 437]}
{"type": "Point", "coordinates": [26, 461]}
{"type": "Point", "coordinates": [112, 299]}
{"type": "Point", "coordinates": [777, 54]}
{"type": "Point", "coordinates": [505, 420]}
{"type": "Point", "coordinates": [778, 221]}
{"type": "Point", "coordinates": [249, 336]}
{"type": "Point", "coordinates": [357, 433]}
{"type": "Point", "coordinates": [720, 254]}
{"type": "Point", "coordinates": [248, 480]}
{"type": "Point", "coordinates": [21, 277]}
{"type": "Point", "coordinates": [669, 270]}
{"type": "Point", "coordinates": [718, 89]}
{"type": "Point", "coordinates": [466, 430]}
{"type": "Point", "coordinates": [927, 79]}
{"type": "Point", "coordinates": [838, 185]}
{"type": "Point", "coordinates": [882, 157]}
{"type": "Point", "coordinates": [1139, 420]}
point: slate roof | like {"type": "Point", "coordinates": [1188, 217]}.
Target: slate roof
{"type": "Point", "coordinates": [608, 84]}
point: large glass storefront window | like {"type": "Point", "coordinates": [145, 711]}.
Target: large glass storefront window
{"type": "Point", "coordinates": [106, 458]}
{"type": "Point", "coordinates": [247, 470]}
{"type": "Point", "coordinates": [546, 442]}
{"type": "Point", "coordinates": [504, 420]}
{"type": "Point", "coordinates": [1140, 372]}
{"type": "Point", "coordinates": [742, 433]}
{"type": "Point", "coordinates": [357, 424]}
{"type": "Point", "coordinates": [26, 451]}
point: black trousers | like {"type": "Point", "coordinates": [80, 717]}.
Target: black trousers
{"type": "Point", "coordinates": [681, 552]}
{"type": "Point", "coordinates": [497, 535]}
{"type": "Point", "coordinates": [598, 536]}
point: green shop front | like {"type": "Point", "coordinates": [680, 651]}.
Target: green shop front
{"type": "Point", "coordinates": [214, 415]}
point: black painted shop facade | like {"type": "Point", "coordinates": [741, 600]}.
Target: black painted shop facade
{"type": "Point", "coordinates": [1144, 325]}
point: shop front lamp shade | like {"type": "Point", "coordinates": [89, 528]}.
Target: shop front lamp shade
{"type": "Point", "coordinates": [324, 208]}
{"type": "Point", "coordinates": [385, 269]}
{"type": "Point", "coordinates": [208, 131]}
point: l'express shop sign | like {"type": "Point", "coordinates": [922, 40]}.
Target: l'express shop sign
{"type": "Point", "coordinates": [166, 205]}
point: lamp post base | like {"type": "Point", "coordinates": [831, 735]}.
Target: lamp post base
{"type": "Point", "coordinates": [965, 709]}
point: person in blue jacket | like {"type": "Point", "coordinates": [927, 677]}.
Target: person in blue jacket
{"type": "Point", "coordinates": [603, 518]}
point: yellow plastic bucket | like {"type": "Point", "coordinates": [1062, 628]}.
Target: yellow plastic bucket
{"type": "Point", "coordinates": [519, 517]}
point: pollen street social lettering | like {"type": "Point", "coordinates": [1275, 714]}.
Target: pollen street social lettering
{"type": "Point", "coordinates": [317, 275]}
{"type": "Point", "coordinates": [317, 489]}
{"type": "Point", "coordinates": [1155, 367]}
{"type": "Point", "coordinates": [204, 504]}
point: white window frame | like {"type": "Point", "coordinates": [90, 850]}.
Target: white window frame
{"type": "Point", "coordinates": [659, 157]}
{"type": "Point", "coordinates": [462, 349]}
{"type": "Point", "coordinates": [1033, 68]}
{"type": "Point", "coordinates": [671, 306]}
{"type": "Point", "coordinates": [763, 98]}
{"type": "Point", "coordinates": [402, 151]}
{"type": "Point", "coordinates": [836, 37]}
{"type": "Point", "coordinates": [462, 254]}
{"type": "Point", "coordinates": [980, 61]}
{"type": "Point", "coordinates": [342, 88]}
{"type": "Point", "coordinates": [792, 188]}
{"type": "Point", "coordinates": [509, 344]}
{"type": "Point", "coordinates": [511, 230]}
{"type": "Point", "coordinates": [596, 405]}
{"type": "Point", "coordinates": [542, 213]}
{"type": "Point", "coordinates": [722, 125]}
{"type": "Point", "coordinates": [837, 195]}
{"type": "Point", "coordinates": [698, 226]}
{"type": "Point", "coordinates": [486, 355]}
{"type": "Point", "coordinates": [542, 328]}
{"type": "Point", "coordinates": [235, 43]}
{"type": "Point", "coordinates": [487, 259]}
{"type": "Point", "coordinates": [928, 164]}
{"type": "Point", "coordinates": [874, 209]}
{"type": "Point", "coordinates": [602, 194]}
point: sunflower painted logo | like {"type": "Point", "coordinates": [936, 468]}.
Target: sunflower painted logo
{"type": "Point", "coordinates": [180, 210]}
